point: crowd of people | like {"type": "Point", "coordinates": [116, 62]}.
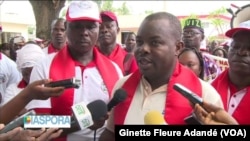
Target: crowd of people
{"type": "Point", "coordinates": [159, 55]}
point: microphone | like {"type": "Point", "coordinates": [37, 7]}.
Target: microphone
{"type": "Point", "coordinates": [119, 96]}
{"type": "Point", "coordinates": [154, 118]}
{"type": "Point", "coordinates": [18, 122]}
{"type": "Point", "coordinates": [84, 115]}
{"type": "Point", "coordinates": [98, 109]}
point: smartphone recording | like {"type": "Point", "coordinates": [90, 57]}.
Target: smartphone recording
{"type": "Point", "coordinates": [66, 83]}
{"type": "Point", "coordinates": [191, 96]}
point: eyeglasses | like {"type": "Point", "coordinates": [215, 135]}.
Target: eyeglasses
{"type": "Point", "coordinates": [192, 33]}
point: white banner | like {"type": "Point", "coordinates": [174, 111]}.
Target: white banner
{"type": "Point", "coordinates": [222, 62]}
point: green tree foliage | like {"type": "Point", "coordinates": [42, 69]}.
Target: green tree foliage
{"type": "Point", "coordinates": [123, 10]}
{"type": "Point", "coordinates": [148, 12]}
{"type": "Point", "coordinates": [215, 19]}
{"type": "Point", "coordinates": [107, 5]}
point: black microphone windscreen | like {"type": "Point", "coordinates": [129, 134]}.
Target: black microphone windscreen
{"type": "Point", "coordinates": [119, 96]}
{"type": "Point", "coordinates": [98, 109]}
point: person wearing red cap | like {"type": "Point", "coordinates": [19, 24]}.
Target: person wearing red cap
{"type": "Point", "coordinates": [81, 60]}
{"type": "Point", "coordinates": [107, 42]}
{"type": "Point", "coordinates": [234, 83]}
{"type": "Point", "coordinates": [58, 36]}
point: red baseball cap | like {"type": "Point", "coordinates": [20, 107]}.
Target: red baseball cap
{"type": "Point", "coordinates": [110, 15]}
{"type": "Point", "coordinates": [242, 26]}
{"type": "Point", "coordinates": [83, 10]}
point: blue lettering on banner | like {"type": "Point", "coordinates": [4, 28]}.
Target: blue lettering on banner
{"type": "Point", "coordinates": [47, 121]}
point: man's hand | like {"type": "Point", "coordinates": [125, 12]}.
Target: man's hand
{"type": "Point", "coordinates": [18, 134]}
{"type": "Point", "coordinates": [42, 93]}
{"type": "Point", "coordinates": [7, 136]}
{"type": "Point", "coordinates": [210, 114]}
{"type": "Point", "coordinates": [27, 135]}
{"type": "Point", "coordinates": [99, 123]}
{"type": "Point", "coordinates": [50, 134]}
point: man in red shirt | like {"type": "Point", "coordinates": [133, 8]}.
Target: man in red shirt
{"type": "Point", "coordinates": [58, 36]}
{"type": "Point", "coordinates": [107, 41]}
{"type": "Point", "coordinates": [234, 83]}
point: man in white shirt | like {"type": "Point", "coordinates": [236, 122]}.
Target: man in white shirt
{"type": "Point", "coordinates": [79, 59]}
{"type": "Point", "coordinates": [8, 73]}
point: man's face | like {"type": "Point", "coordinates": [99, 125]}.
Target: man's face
{"type": "Point", "coordinates": [108, 31]}
{"type": "Point", "coordinates": [18, 46]}
{"type": "Point", "coordinates": [130, 42]}
{"type": "Point", "coordinates": [58, 33]}
{"type": "Point", "coordinates": [155, 48]}
{"type": "Point", "coordinates": [82, 35]}
{"type": "Point", "coordinates": [239, 53]}
{"type": "Point", "coordinates": [192, 37]}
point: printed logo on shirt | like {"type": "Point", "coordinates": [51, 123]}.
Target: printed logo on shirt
{"type": "Point", "coordinates": [3, 78]}
{"type": "Point", "coordinates": [104, 88]}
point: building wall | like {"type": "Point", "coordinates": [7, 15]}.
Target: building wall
{"type": "Point", "coordinates": [129, 23]}
{"type": "Point", "coordinates": [16, 16]}
{"type": "Point", "coordinates": [15, 27]}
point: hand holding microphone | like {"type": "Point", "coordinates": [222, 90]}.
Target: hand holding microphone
{"type": "Point", "coordinates": [94, 115]}
{"type": "Point", "coordinates": [100, 109]}
{"type": "Point", "coordinates": [154, 118]}
{"type": "Point", "coordinates": [99, 113]}
{"type": "Point", "coordinates": [86, 116]}
{"type": "Point", "coordinates": [213, 115]}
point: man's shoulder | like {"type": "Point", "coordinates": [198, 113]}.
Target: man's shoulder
{"type": "Point", "coordinates": [122, 80]}
{"type": "Point", "coordinates": [205, 83]}
{"type": "Point", "coordinates": [207, 88]}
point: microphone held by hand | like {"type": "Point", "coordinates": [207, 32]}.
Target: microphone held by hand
{"type": "Point", "coordinates": [85, 115]}
{"type": "Point", "coordinates": [119, 96]}
{"type": "Point", "coordinates": [98, 109]}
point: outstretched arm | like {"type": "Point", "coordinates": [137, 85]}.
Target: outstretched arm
{"type": "Point", "coordinates": [35, 90]}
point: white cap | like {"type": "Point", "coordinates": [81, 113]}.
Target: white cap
{"type": "Point", "coordinates": [83, 10]}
